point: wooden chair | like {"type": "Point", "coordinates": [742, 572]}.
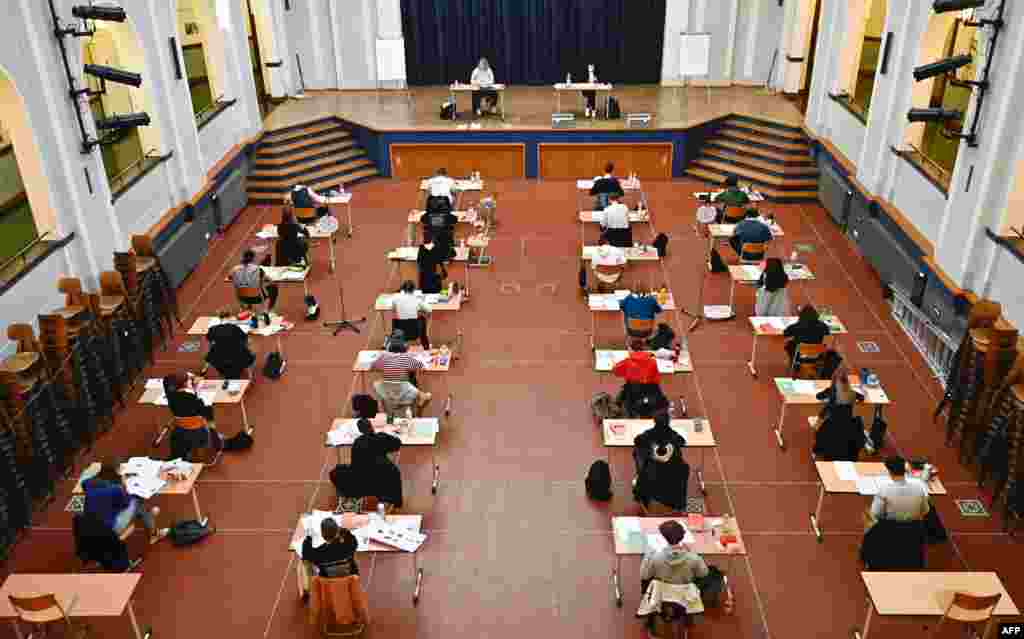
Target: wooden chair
{"type": "Point", "coordinates": [56, 340]}
{"type": "Point", "coordinates": [806, 358]}
{"type": "Point", "coordinates": [305, 215]}
{"type": "Point", "coordinates": [42, 610]}
{"type": "Point", "coordinates": [639, 327]}
{"type": "Point", "coordinates": [23, 367]}
{"type": "Point", "coordinates": [657, 509]}
{"type": "Point", "coordinates": [607, 276]}
{"type": "Point", "coordinates": [250, 292]}
{"type": "Point", "coordinates": [113, 298]}
{"type": "Point", "coordinates": [145, 252]}
{"type": "Point", "coordinates": [75, 302]}
{"type": "Point", "coordinates": [969, 609]}
{"type": "Point", "coordinates": [753, 252]}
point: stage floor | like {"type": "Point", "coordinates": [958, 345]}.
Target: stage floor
{"type": "Point", "coordinates": [530, 108]}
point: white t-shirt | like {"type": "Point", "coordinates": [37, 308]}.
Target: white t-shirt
{"type": "Point", "coordinates": [408, 306]}
{"type": "Point", "coordinates": [441, 186]}
{"type": "Point", "coordinates": [481, 77]}
{"type": "Point", "coordinates": [615, 216]}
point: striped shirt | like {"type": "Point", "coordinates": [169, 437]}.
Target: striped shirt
{"type": "Point", "coordinates": [396, 366]}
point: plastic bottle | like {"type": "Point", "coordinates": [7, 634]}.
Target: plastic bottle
{"type": "Point", "coordinates": [794, 256]}
{"type": "Point", "coordinates": [568, 78]}
{"type": "Point", "coordinates": [381, 512]}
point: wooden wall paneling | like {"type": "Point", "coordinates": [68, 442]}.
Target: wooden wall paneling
{"type": "Point", "coordinates": [498, 161]}
{"type": "Point", "coordinates": [650, 160]}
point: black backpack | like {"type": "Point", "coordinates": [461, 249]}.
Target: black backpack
{"type": "Point", "coordinates": [188, 532]}
{"type": "Point", "coordinates": [583, 278]}
{"type": "Point", "coordinates": [879, 427]}
{"type": "Point", "coordinates": [241, 441]}
{"type": "Point", "coordinates": [312, 308]}
{"type": "Point", "coordinates": [661, 244]}
{"type": "Point", "coordinates": [662, 338]}
{"type": "Point", "coordinates": [614, 110]}
{"type": "Point", "coordinates": [274, 366]}
{"type": "Point", "coordinates": [599, 481]}
{"type": "Point", "coordinates": [447, 111]}
{"type": "Point", "coordinates": [715, 262]}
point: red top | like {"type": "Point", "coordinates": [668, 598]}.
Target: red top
{"type": "Point", "coordinates": [639, 368]}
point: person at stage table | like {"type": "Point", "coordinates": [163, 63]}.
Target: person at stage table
{"type": "Point", "coordinates": [753, 229]}
{"type": "Point", "coordinates": [410, 313]}
{"type": "Point", "coordinates": [614, 220]}
{"type": "Point", "coordinates": [590, 97]}
{"type": "Point", "coordinates": [772, 298]}
{"type": "Point", "coordinates": [731, 197]}
{"type": "Point", "coordinates": [304, 197]}
{"type": "Point", "coordinates": [604, 186]}
{"type": "Point", "coordinates": [484, 99]}
{"type": "Point", "coordinates": [808, 329]}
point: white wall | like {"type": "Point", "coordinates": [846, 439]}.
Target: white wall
{"type": "Point", "coordinates": [848, 133]}
{"type": "Point", "coordinates": [28, 159]}
{"type": "Point", "coordinates": [34, 294]}
{"type": "Point", "coordinates": [919, 200]}
{"type": "Point", "coordinates": [141, 206]}
{"type": "Point", "coordinates": [217, 137]}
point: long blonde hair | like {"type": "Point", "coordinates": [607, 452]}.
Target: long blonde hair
{"type": "Point", "coordinates": [841, 384]}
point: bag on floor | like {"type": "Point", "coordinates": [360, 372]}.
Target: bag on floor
{"type": "Point", "coordinates": [274, 366]}
{"type": "Point", "coordinates": [662, 338]}
{"type": "Point", "coordinates": [614, 110]}
{"type": "Point", "coordinates": [604, 407]}
{"type": "Point", "coordinates": [312, 308]}
{"type": "Point", "coordinates": [661, 244]}
{"type": "Point", "coordinates": [364, 406]}
{"type": "Point", "coordinates": [830, 362]}
{"type": "Point", "coordinates": [599, 481]}
{"type": "Point", "coordinates": [188, 532]}
{"type": "Point", "coordinates": [447, 110]}
{"type": "Point", "coordinates": [583, 278]}
{"type": "Point", "coordinates": [879, 427]}
{"type": "Point", "coordinates": [241, 441]}
{"type": "Point", "coordinates": [715, 262]}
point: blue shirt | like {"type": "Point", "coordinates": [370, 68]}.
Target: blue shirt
{"type": "Point", "coordinates": [751, 230]}
{"type": "Point", "coordinates": [105, 500]}
{"type": "Point", "coordinates": [301, 199]}
{"type": "Point", "coordinates": [643, 307]}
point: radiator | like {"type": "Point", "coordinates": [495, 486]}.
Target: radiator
{"type": "Point", "coordinates": [188, 246]}
{"type": "Point", "coordinates": [894, 265]}
{"type": "Point", "coordinates": [833, 192]}
{"type": "Point", "coordinates": [229, 199]}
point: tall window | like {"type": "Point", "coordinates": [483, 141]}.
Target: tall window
{"type": "Point", "coordinates": [202, 46]}
{"type": "Point", "coordinates": [862, 55]}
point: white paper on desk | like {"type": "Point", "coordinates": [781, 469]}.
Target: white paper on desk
{"type": "Point", "coordinates": [160, 401]}
{"type": "Point", "coordinates": [846, 471]}
{"type": "Point", "coordinates": [666, 366]}
{"type": "Point", "coordinates": [144, 487]}
{"type": "Point", "coordinates": [367, 358]}
{"type": "Point", "coordinates": [750, 272]}
{"type": "Point", "coordinates": [341, 436]}
{"type": "Point", "coordinates": [404, 539]}
{"type": "Point", "coordinates": [584, 184]}
{"type": "Point", "coordinates": [155, 383]}
{"type": "Point", "coordinates": [207, 396]}
{"type": "Point", "coordinates": [655, 542]}
{"type": "Point", "coordinates": [628, 527]}
{"type": "Point", "coordinates": [142, 467]}
{"type": "Point", "coordinates": [867, 485]}
{"type": "Point", "coordinates": [311, 524]}
{"type": "Point", "coordinates": [266, 235]}
{"type": "Point", "coordinates": [804, 387]}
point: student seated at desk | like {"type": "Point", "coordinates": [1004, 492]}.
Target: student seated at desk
{"type": "Point", "coordinates": [184, 403]}
{"type": "Point", "coordinates": [304, 197]}
{"type": "Point", "coordinates": [639, 367]}
{"type": "Point", "coordinates": [397, 388]}
{"type": "Point", "coordinates": [808, 329]}
{"type": "Point", "coordinates": [604, 186]}
{"type": "Point", "coordinates": [485, 100]}
{"type": "Point", "coordinates": [639, 306]}
{"type": "Point", "coordinates": [229, 351]}
{"type": "Point", "coordinates": [439, 220]}
{"type": "Point", "coordinates": [107, 499]}
{"type": "Point", "coordinates": [430, 261]}
{"type": "Point", "coordinates": [247, 278]}
{"type": "Point", "coordinates": [292, 240]}
{"type": "Point", "coordinates": [902, 500]}
{"type": "Point", "coordinates": [772, 299]}
{"type": "Point", "coordinates": [372, 446]}
{"type": "Point", "coordinates": [410, 313]}
{"type": "Point", "coordinates": [840, 392]}
{"type": "Point", "coordinates": [752, 230]}
{"type": "Point", "coordinates": [336, 557]}
{"type": "Point", "coordinates": [614, 220]}
{"type": "Point", "coordinates": [840, 436]}
{"type": "Point", "coordinates": [440, 189]}
{"type": "Point", "coordinates": [648, 441]}
{"type": "Point", "coordinates": [731, 197]}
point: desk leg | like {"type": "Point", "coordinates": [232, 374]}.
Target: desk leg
{"type": "Point", "coordinates": [135, 623]}
{"type": "Point", "coordinates": [330, 245]}
{"type": "Point", "coordinates": [778, 427]}
{"type": "Point", "coordinates": [455, 105]}
{"type": "Point", "coordinates": [501, 100]}
{"type": "Point", "coordinates": [350, 227]}
{"type": "Point", "coordinates": [753, 358]}
{"type": "Point", "coordinates": [732, 295]}
{"type": "Point", "coordinates": [17, 629]}
{"type": "Point", "coordinates": [199, 512]}
{"type": "Point", "coordinates": [558, 101]}
{"type": "Point", "coordinates": [593, 331]}
{"type": "Point", "coordinates": [863, 634]}
{"type": "Point", "coordinates": [418, 572]}
{"type": "Point", "coordinates": [616, 584]}
{"type": "Point", "coordinates": [245, 416]}
{"type": "Point", "coordinates": [816, 515]}
{"type": "Point", "coordinates": [700, 472]}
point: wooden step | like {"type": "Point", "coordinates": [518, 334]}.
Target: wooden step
{"type": "Point", "coordinates": [715, 177]}
{"type": "Point", "coordinates": [755, 138]}
{"type": "Point", "coordinates": [308, 178]}
{"type": "Point", "coordinates": [270, 153]}
{"type": "Point", "coordinates": [275, 138]}
{"type": "Point", "coordinates": [259, 197]}
{"type": "Point", "coordinates": [788, 158]}
{"type": "Point", "coordinates": [300, 169]}
{"type": "Point", "coordinates": [754, 175]}
{"type": "Point", "coordinates": [745, 159]}
{"type": "Point", "coordinates": [795, 136]}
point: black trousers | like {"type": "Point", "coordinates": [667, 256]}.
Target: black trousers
{"type": "Point", "coordinates": [478, 96]}
{"type": "Point", "coordinates": [622, 238]}
{"type": "Point", "coordinates": [413, 328]}
{"type": "Point", "coordinates": [183, 441]}
{"type": "Point", "coordinates": [590, 97]}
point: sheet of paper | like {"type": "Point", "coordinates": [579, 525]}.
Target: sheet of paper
{"type": "Point", "coordinates": [750, 272]}
{"type": "Point", "coordinates": [846, 471]}
{"type": "Point", "coordinates": [398, 537]}
{"type": "Point", "coordinates": [144, 487]}
{"type": "Point", "coordinates": [424, 428]}
{"type": "Point", "coordinates": [867, 486]}
{"type": "Point", "coordinates": [584, 184]}
{"type": "Point", "coordinates": [628, 527]}
{"type": "Point", "coordinates": [785, 385]}
{"type": "Point", "coordinates": [804, 387]}
{"type": "Point", "coordinates": [155, 383]}
{"type": "Point", "coordinates": [208, 396]}
{"type": "Point", "coordinates": [368, 357]}
{"type": "Point", "coordinates": [655, 542]}
{"type": "Point", "coordinates": [160, 401]}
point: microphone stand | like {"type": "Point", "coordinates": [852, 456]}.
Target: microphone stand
{"type": "Point", "coordinates": [343, 324]}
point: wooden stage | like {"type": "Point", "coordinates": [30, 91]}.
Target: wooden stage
{"type": "Point", "coordinates": [529, 108]}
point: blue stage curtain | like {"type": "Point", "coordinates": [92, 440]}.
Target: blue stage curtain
{"type": "Point", "coordinates": [534, 41]}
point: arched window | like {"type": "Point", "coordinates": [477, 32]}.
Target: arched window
{"type": "Point", "coordinates": [862, 53]}
{"type": "Point", "coordinates": [200, 30]}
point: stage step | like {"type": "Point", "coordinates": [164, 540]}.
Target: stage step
{"type": "Point", "coordinates": [346, 180]}
{"type": "Point", "coordinates": [785, 133]}
{"type": "Point", "coordinates": [305, 167]}
{"type": "Point", "coordinates": [770, 192]}
{"type": "Point", "coordinates": [300, 131]}
{"type": "Point", "coordinates": [783, 183]}
{"type": "Point", "coordinates": [745, 159]}
{"type": "Point", "coordinates": [309, 178]}
{"type": "Point", "coordinates": [760, 152]}
{"type": "Point", "coordinates": [762, 141]}
{"type": "Point", "coordinates": [283, 152]}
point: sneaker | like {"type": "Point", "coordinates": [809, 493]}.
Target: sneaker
{"type": "Point", "coordinates": [160, 534]}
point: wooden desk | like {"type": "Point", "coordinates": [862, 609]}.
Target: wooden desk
{"type": "Point", "coordinates": [234, 394]}
{"type": "Point", "coordinates": [633, 187]}
{"type": "Point", "coordinates": [432, 360]}
{"type": "Point", "coordinates": [353, 522]}
{"type": "Point", "coordinates": [635, 217]}
{"type": "Point", "coordinates": [460, 184]}
{"type": "Point", "coordinates": [269, 232]}
{"type": "Point", "coordinates": [603, 303]}
{"type": "Point", "coordinates": [605, 361]}
{"type": "Point", "coordinates": [81, 595]}
{"type": "Point", "coordinates": [753, 195]}
{"type": "Point", "coordinates": [278, 325]}
{"type": "Point", "coordinates": [338, 200]}
{"type": "Point", "coordinates": [576, 87]}
{"type": "Point", "coordinates": [830, 482]}
{"type": "Point", "coordinates": [420, 431]}
{"type": "Point", "coordinates": [185, 486]}
{"type": "Point", "coordinates": [632, 254]}
{"type": "Point", "coordinates": [719, 233]}
{"type": "Point", "coordinates": [288, 275]}
{"type": "Point", "coordinates": [776, 326]}
{"type": "Point", "coordinates": [383, 302]}
{"type": "Point", "coordinates": [622, 432]}
{"type": "Point", "coordinates": [457, 87]}
{"type": "Point", "coordinates": [630, 542]}
{"type": "Point", "coordinates": [927, 594]}
{"type": "Point", "coordinates": [872, 396]}
{"type": "Point", "coordinates": [750, 274]}
{"type": "Point", "coordinates": [464, 217]}
{"type": "Point", "coordinates": [408, 254]}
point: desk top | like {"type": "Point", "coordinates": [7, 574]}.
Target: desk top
{"type": "Point", "coordinates": [833, 484]}
{"type": "Point", "coordinates": [601, 302]}
{"type": "Point", "coordinates": [269, 232]}
{"type": "Point", "coordinates": [341, 198]}
{"type": "Point", "coordinates": [469, 217]}
{"type": "Point", "coordinates": [409, 253]}
{"type": "Point", "coordinates": [632, 254]}
{"type": "Point", "coordinates": [285, 274]}
{"type": "Point", "coordinates": [752, 272]}
{"type": "Point", "coordinates": [768, 326]}
{"type": "Point", "coordinates": [636, 217]}
{"type": "Point", "coordinates": [208, 388]}
{"type": "Point", "coordinates": [172, 487]}
{"type": "Point", "coordinates": [583, 86]}
{"type": "Point", "coordinates": [625, 183]}
{"type": "Point", "coordinates": [929, 593]}
{"type": "Point", "coordinates": [459, 86]}
{"type": "Point", "coordinates": [622, 432]}
{"type": "Point", "coordinates": [460, 185]}
{"type": "Point", "coordinates": [804, 391]}
{"type": "Point", "coordinates": [605, 360]}
{"type": "Point", "coordinates": [421, 431]}
{"type": "Point", "coordinates": [277, 324]}
{"type": "Point", "coordinates": [433, 361]}
{"type": "Point", "coordinates": [383, 302]}
{"type": "Point", "coordinates": [96, 595]}
{"type": "Point", "coordinates": [631, 535]}
{"type": "Point", "coordinates": [727, 230]}
{"type": "Point", "coordinates": [753, 195]}
{"type": "Point", "coordinates": [352, 521]}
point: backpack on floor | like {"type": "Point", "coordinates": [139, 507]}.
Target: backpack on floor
{"type": "Point", "coordinates": [661, 244]}
{"type": "Point", "coordinates": [241, 441]}
{"type": "Point", "coordinates": [614, 110]}
{"type": "Point", "coordinates": [829, 363]}
{"type": "Point", "coordinates": [188, 532]}
{"type": "Point", "coordinates": [447, 110]}
{"type": "Point", "coordinates": [274, 366]}
{"type": "Point", "coordinates": [879, 427]}
{"type": "Point", "coordinates": [312, 308]}
{"type": "Point", "coordinates": [364, 406]}
{"type": "Point", "coordinates": [604, 407]}
{"type": "Point", "coordinates": [599, 481]}
{"type": "Point", "coordinates": [715, 263]}
{"type": "Point", "coordinates": [663, 338]}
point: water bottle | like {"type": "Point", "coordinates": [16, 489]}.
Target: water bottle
{"type": "Point", "coordinates": [381, 513]}
{"type": "Point", "coordinates": [794, 256]}
{"type": "Point", "coordinates": [568, 78]}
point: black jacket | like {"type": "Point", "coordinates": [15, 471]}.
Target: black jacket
{"type": "Point", "coordinates": [430, 262]}
{"type": "Point", "coordinates": [840, 435]}
{"type": "Point", "coordinates": [229, 349]}
{"type": "Point", "coordinates": [645, 441]}
{"type": "Point", "coordinates": [807, 332]}
{"type": "Point", "coordinates": [664, 482]}
{"type": "Point", "coordinates": [606, 185]}
{"type": "Point", "coordinates": [95, 541]}
{"type": "Point", "coordinates": [184, 404]}
{"type": "Point", "coordinates": [367, 449]}
{"type": "Point", "coordinates": [291, 244]}
{"type": "Point", "coordinates": [894, 545]}
{"type": "Point", "coordinates": [335, 559]}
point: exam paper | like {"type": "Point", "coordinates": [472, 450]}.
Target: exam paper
{"type": "Point", "coordinates": [804, 387]}
{"type": "Point", "coordinates": [155, 383]}
{"type": "Point", "coordinates": [207, 396]}
{"type": "Point", "coordinates": [144, 487]}
{"type": "Point", "coordinates": [846, 471]}
{"type": "Point", "coordinates": [655, 542]}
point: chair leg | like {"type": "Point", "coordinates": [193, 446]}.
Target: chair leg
{"type": "Point", "coordinates": [935, 630]}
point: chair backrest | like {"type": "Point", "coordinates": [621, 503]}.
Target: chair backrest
{"type": "Point", "coordinates": [111, 284]}
{"type": "Point", "coordinates": [24, 336]}
{"type": "Point", "coordinates": [35, 607]}
{"type": "Point", "coordinates": [636, 325]}
{"type": "Point", "coordinates": [143, 246]}
{"type": "Point", "coordinates": [71, 287]}
{"type": "Point", "coordinates": [53, 331]}
{"type": "Point", "coordinates": [609, 270]}
{"type": "Point", "coordinates": [976, 603]}
{"type": "Point", "coordinates": [752, 252]}
{"type": "Point", "coordinates": [807, 352]}
{"type": "Point", "coordinates": [305, 215]}
{"type": "Point", "coordinates": [192, 422]}
{"type": "Point", "coordinates": [125, 264]}
{"type": "Point", "coordinates": [249, 291]}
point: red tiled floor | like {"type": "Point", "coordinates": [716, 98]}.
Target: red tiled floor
{"type": "Point", "coordinates": [515, 548]}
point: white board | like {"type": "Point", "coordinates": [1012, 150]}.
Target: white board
{"type": "Point", "coordinates": [390, 60]}
{"type": "Point", "coordinates": [694, 54]}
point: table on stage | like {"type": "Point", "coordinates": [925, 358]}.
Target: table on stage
{"type": "Point", "coordinates": [631, 254]}
{"type": "Point", "coordinates": [605, 361]}
{"type": "Point", "coordinates": [927, 594]}
{"type": "Point", "coordinates": [578, 87]}
{"type": "Point", "coordinates": [316, 232]}
{"type": "Point", "coordinates": [277, 325]}
{"type": "Point", "coordinates": [842, 478]}
{"type": "Point", "coordinates": [630, 534]}
{"type": "Point", "coordinates": [186, 486]}
{"type": "Point", "coordinates": [609, 303]}
{"type": "Point", "coordinates": [355, 523]}
{"type": "Point", "coordinates": [80, 595]}
{"type": "Point", "coordinates": [750, 274]}
{"type": "Point", "coordinates": [418, 431]}
{"type": "Point", "coordinates": [621, 433]}
{"type": "Point", "coordinates": [211, 391]}
{"type": "Point", "coordinates": [804, 392]}
{"type": "Point", "coordinates": [456, 88]}
{"type": "Point", "coordinates": [776, 326]}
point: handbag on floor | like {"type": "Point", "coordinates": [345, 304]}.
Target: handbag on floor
{"type": "Point", "coordinates": [241, 441]}
{"type": "Point", "coordinates": [599, 481]}
{"type": "Point", "coordinates": [274, 366]}
{"type": "Point", "coordinates": [188, 532]}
